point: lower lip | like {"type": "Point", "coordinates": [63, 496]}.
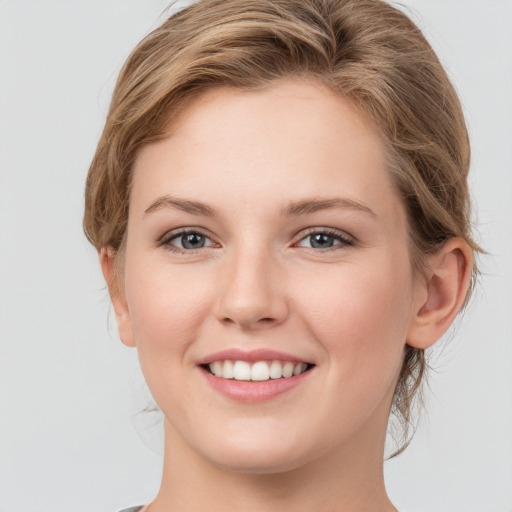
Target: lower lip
{"type": "Point", "coordinates": [254, 391]}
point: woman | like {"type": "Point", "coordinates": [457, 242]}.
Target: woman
{"type": "Point", "coordinates": [280, 205]}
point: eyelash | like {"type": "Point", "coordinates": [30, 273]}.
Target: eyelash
{"type": "Point", "coordinates": [343, 239]}
{"type": "Point", "coordinates": [168, 238]}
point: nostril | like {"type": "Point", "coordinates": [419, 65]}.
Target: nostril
{"type": "Point", "coordinates": [264, 320]}
{"type": "Point", "coordinates": [261, 321]}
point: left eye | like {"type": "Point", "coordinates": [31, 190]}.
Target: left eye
{"type": "Point", "coordinates": [324, 240]}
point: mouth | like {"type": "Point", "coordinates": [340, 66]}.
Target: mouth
{"type": "Point", "coordinates": [254, 376]}
{"type": "Point", "coordinates": [257, 371]}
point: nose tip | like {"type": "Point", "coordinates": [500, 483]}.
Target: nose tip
{"type": "Point", "coordinates": [249, 318]}
{"type": "Point", "coordinates": [252, 297]}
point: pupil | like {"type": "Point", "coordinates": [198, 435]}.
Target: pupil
{"type": "Point", "coordinates": [321, 240]}
{"type": "Point", "coordinates": [192, 241]}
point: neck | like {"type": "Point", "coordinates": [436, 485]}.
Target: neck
{"type": "Point", "coordinates": [348, 479]}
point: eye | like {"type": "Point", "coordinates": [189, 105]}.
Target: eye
{"type": "Point", "coordinates": [325, 239]}
{"type": "Point", "coordinates": [187, 240]}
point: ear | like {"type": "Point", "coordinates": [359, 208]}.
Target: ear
{"type": "Point", "coordinates": [443, 293]}
{"type": "Point", "coordinates": [117, 295]}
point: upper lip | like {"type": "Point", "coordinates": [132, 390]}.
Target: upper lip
{"type": "Point", "coordinates": [251, 356]}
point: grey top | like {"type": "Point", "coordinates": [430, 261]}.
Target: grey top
{"type": "Point", "coordinates": [137, 509]}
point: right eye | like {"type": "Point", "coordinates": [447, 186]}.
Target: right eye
{"type": "Point", "coordinates": [187, 240]}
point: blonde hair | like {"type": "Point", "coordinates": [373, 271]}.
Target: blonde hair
{"type": "Point", "coordinates": [365, 50]}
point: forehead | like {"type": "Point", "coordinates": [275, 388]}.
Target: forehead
{"type": "Point", "coordinates": [292, 139]}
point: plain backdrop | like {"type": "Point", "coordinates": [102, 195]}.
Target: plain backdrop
{"type": "Point", "coordinates": [69, 389]}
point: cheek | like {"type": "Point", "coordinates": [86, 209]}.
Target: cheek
{"type": "Point", "coordinates": [167, 310]}
{"type": "Point", "coordinates": [361, 316]}
{"type": "Point", "coordinates": [167, 306]}
{"type": "Point", "coordinates": [360, 321]}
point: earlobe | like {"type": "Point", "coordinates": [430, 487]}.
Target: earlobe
{"type": "Point", "coordinates": [443, 293]}
{"type": "Point", "coordinates": [117, 296]}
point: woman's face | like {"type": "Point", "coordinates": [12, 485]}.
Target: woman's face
{"type": "Point", "coordinates": [265, 237]}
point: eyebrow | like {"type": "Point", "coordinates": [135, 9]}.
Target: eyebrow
{"type": "Point", "coordinates": [192, 207]}
{"type": "Point", "coordinates": [294, 208]}
{"type": "Point", "coordinates": [315, 205]}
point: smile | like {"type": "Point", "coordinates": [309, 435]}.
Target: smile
{"type": "Point", "coordinates": [257, 370]}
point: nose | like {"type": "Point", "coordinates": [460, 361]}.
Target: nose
{"type": "Point", "coordinates": [252, 295]}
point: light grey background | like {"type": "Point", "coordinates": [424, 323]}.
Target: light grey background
{"type": "Point", "coordinates": [67, 386]}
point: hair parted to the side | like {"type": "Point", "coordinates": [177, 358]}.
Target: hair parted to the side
{"type": "Point", "coordinates": [365, 50]}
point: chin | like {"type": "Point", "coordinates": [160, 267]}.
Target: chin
{"type": "Point", "coordinates": [260, 452]}
{"type": "Point", "coordinates": [261, 462]}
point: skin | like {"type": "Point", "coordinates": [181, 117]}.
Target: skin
{"type": "Point", "coordinates": [250, 158]}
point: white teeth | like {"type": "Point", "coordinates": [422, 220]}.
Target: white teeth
{"type": "Point", "coordinates": [276, 370]}
{"type": "Point", "coordinates": [241, 370]}
{"type": "Point", "coordinates": [257, 371]}
{"type": "Point", "coordinates": [288, 369]}
{"type": "Point", "coordinates": [228, 372]}
{"type": "Point", "coordinates": [260, 371]}
{"type": "Point", "coordinates": [298, 369]}
{"type": "Point", "coordinates": [216, 369]}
